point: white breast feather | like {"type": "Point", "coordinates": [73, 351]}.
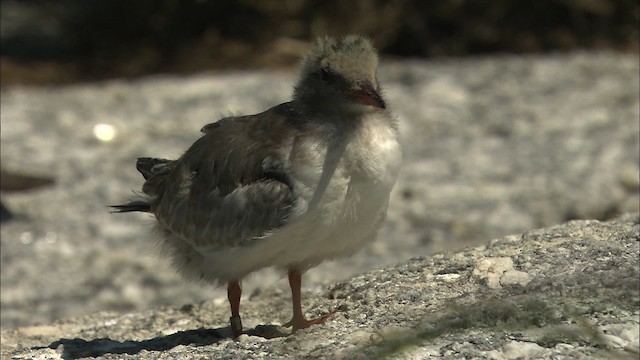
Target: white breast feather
{"type": "Point", "coordinates": [345, 219]}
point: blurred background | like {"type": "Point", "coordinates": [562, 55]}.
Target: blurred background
{"type": "Point", "coordinates": [514, 115]}
{"type": "Point", "coordinates": [64, 41]}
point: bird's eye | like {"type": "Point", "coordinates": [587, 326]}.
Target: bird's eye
{"type": "Point", "coordinates": [325, 75]}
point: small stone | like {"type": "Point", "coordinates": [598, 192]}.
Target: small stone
{"type": "Point", "coordinates": [613, 342]}
{"type": "Point", "coordinates": [490, 270]}
{"type": "Point", "coordinates": [522, 350]}
{"type": "Point", "coordinates": [515, 277]}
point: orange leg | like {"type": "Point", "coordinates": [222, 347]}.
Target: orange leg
{"type": "Point", "coordinates": [299, 321]}
{"type": "Point", "coordinates": [234, 292]}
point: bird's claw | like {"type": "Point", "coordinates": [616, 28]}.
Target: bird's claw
{"type": "Point", "coordinates": [301, 323]}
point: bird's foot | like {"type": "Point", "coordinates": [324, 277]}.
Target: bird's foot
{"type": "Point", "coordinates": [236, 326]}
{"type": "Point", "coordinates": [299, 322]}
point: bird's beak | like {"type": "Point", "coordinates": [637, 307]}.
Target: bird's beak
{"type": "Point", "coordinates": [366, 95]}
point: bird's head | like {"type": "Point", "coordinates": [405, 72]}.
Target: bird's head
{"type": "Point", "coordinates": [339, 75]}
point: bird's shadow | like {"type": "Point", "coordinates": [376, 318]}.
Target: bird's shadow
{"type": "Point", "coordinates": [79, 348]}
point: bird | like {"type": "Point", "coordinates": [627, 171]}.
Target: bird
{"type": "Point", "coordinates": [305, 181]}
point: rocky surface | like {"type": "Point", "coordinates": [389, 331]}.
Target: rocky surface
{"type": "Point", "coordinates": [494, 146]}
{"type": "Point", "coordinates": [567, 291]}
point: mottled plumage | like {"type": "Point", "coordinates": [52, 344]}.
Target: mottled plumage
{"type": "Point", "coordinates": [300, 183]}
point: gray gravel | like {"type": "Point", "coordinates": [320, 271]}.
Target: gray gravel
{"type": "Point", "coordinates": [494, 146]}
{"type": "Point", "coordinates": [568, 291]}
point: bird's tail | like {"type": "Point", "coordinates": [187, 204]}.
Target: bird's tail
{"type": "Point", "coordinates": [138, 205]}
{"type": "Point", "coordinates": [151, 166]}
{"type": "Point", "coordinates": [148, 167]}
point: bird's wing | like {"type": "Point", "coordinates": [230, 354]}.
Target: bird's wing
{"type": "Point", "coordinates": [230, 187]}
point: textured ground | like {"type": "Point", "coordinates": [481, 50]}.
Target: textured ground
{"type": "Point", "coordinates": [567, 291]}
{"type": "Point", "coordinates": [494, 146]}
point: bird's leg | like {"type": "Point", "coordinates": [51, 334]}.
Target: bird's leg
{"type": "Point", "coordinates": [234, 292]}
{"type": "Point", "coordinates": [298, 321]}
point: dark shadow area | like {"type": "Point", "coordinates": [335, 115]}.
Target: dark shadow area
{"type": "Point", "coordinates": [11, 181]}
{"type": "Point", "coordinates": [5, 214]}
{"type": "Point", "coordinates": [71, 40]}
{"type": "Point", "coordinates": [80, 348]}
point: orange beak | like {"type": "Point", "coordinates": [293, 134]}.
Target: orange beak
{"type": "Point", "coordinates": [367, 95]}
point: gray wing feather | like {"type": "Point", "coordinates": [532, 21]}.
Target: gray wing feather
{"type": "Point", "coordinates": [229, 188]}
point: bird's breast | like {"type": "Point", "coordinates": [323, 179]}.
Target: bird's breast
{"type": "Point", "coordinates": [347, 178]}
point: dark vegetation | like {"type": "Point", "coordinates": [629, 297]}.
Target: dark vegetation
{"type": "Point", "coordinates": [80, 40]}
